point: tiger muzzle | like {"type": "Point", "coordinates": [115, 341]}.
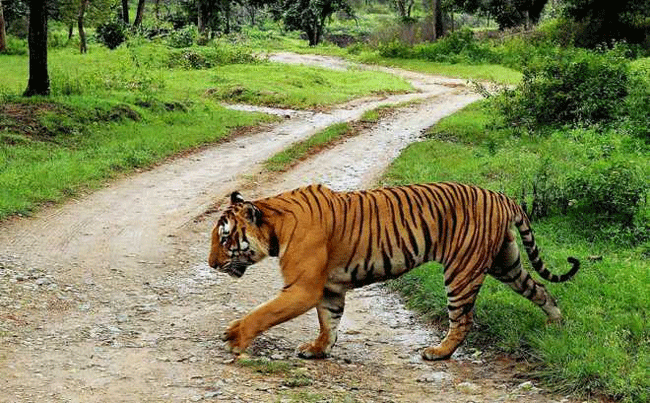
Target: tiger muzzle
{"type": "Point", "coordinates": [235, 268]}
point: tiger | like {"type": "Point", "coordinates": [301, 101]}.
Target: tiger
{"type": "Point", "coordinates": [330, 242]}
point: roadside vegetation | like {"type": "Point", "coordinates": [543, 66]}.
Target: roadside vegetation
{"type": "Point", "coordinates": [580, 162]}
{"type": "Point", "coordinates": [330, 136]}
{"type": "Point", "coordinates": [568, 135]}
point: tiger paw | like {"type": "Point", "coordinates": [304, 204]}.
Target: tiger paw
{"type": "Point", "coordinates": [233, 338]}
{"type": "Point", "coordinates": [434, 354]}
{"type": "Point", "coordinates": [311, 351]}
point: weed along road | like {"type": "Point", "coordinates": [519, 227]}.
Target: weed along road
{"type": "Point", "coordinates": [109, 298]}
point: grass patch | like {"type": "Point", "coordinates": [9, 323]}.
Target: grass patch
{"type": "Point", "coordinates": [602, 348]}
{"type": "Point", "coordinates": [294, 377]}
{"type": "Point", "coordinates": [286, 158]}
{"type": "Point", "coordinates": [482, 72]}
{"type": "Point", "coordinates": [112, 112]}
{"type": "Point", "coordinates": [299, 86]}
{"type": "Point", "coordinates": [62, 154]}
{"type": "Point", "coordinates": [327, 137]}
{"type": "Point", "coordinates": [266, 366]}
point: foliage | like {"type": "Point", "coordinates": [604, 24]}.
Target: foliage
{"type": "Point", "coordinates": [183, 37]}
{"type": "Point", "coordinates": [606, 21]}
{"type": "Point", "coordinates": [507, 13]}
{"type": "Point", "coordinates": [111, 34]}
{"type": "Point", "coordinates": [576, 89]}
{"type": "Point", "coordinates": [207, 57]}
{"type": "Point", "coordinates": [637, 104]}
{"type": "Point", "coordinates": [15, 46]}
{"type": "Point", "coordinates": [606, 190]}
{"type": "Point", "coordinates": [602, 346]}
{"type": "Point", "coordinates": [310, 16]}
{"type": "Point", "coordinates": [457, 47]}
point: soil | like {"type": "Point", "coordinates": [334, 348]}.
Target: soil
{"type": "Point", "coordinates": [109, 298]}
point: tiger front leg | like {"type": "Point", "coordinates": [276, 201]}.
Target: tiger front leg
{"type": "Point", "coordinates": [330, 310]}
{"type": "Point", "coordinates": [291, 302]}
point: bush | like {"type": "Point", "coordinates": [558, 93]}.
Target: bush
{"type": "Point", "coordinates": [111, 34]}
{"type": "Point", "coordinates": [458, 46]}
{"type": "Point", "coordinates": [581, 89]}
{"type": "Point", "coordinates": [204, 58]}
{"type": "Point", "coordinates": [184, 37]}
{"type": "Point", "coordinates": [609, 190]}
{"type": "Point", "coordinates": [15, 46]}
{"type": "Point", "coordinates": [637, 105]}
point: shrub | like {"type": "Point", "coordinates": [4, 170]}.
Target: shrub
{"type": "Point", "coordinates": [610, 190]}
{"type": "Point", "coordinates": [111, 34]}
{"type": "Point", "coordinates": [203, 58]}
{"type": "Point", "coordinates": [184, 37]}
{"type": "Point", "coordinates": [577, 90]}
{"type": "Point", "coordinates": [458, 46]}
{"type": "Point", "coordinates": [637, 105]}
{"type": "Point", "coordinates": [15, 46]}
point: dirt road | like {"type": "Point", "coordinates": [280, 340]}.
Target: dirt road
{"type": "Point", "coordinates": [108, 298]}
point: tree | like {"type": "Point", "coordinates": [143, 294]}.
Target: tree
{"type": "Point", "coordinates": [139, 14]}
{"type": "Point", "coordinates": [39, 80]}
{"type": "Point", "coordinates": [80, 25]}
{"type": "Point", "coordinates": [605, 21]}
{"type": "Point", "coordinates": [310, 16]}
{"type": "Point", "coordinates": [3, 32]}
{"type": "Point", "coordinates": [507, 13]}
{"type": "Point", "coordinates": [403, 7]}
{"type": "Point", "coordinates": [125, 11]}
{"type": "Point", "coordinates": [83, 13]}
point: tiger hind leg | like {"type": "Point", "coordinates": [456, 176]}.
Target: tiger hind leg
{"type": "Point", "coordinates": [330, 311]}
{"type": "Point", "coordinates": [508, 269]}
{"type": "Point", "coordinates": [461, 295]}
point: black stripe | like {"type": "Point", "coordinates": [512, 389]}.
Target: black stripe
{"type": "Point", "coordinates": [320, 208]}
{"type": "Point", "coordinates": [387, 264]}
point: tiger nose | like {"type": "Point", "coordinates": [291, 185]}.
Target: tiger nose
{"type": "Point", "coordinates": [213, 261]}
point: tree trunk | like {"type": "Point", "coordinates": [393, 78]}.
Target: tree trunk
{"type": "Point", "coordinates": [125, 11]}
{"type": "Point", "coordinates": [157, 9]}
{"type": "Point", "coordinates": [438, 26]}
{"type": "Point", "coordinates": [200, 24]}
{"type": "Point", "coordinates": [139, 14]}
{"type": "Point", "coordinates": [39, 81]}
{"type": "Point", "coordinates": [80, 26]}
{"type": "Point", "coordinates": [227, 12]}
{"type": "Point", "coordinates": [434, 18]}
{"type": "Point", "coordinates": [3, 32]}
{"type": "Point", "coordinates": [70, 28]}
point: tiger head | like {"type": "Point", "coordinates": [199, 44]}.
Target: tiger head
{"type": "Point", "coordinates": [239, 238]}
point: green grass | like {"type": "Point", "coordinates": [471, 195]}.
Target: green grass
{"type": "Point", "coordinates": [482, 72]}
{"type": "Point", "coordinates": [36, 170]}
{"type": "Point", "coordinates": [115, 111]}
{"type": "Point", "coordinates": [299, 150]}
{"type": "Point", "coordinates": [603, 346]}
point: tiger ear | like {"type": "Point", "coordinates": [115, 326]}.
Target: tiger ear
{"type": "Point", "coordinates": [236, 197]}
{"type": "Point", "coordinates": [253, 214]}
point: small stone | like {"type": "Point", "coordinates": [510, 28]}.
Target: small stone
{"type": "Point", "coordinates": [210, 395]}
{"type": "Point", "coordinates": [42, 281]}
{"type": "Point", "coordinates": [435, 377]}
